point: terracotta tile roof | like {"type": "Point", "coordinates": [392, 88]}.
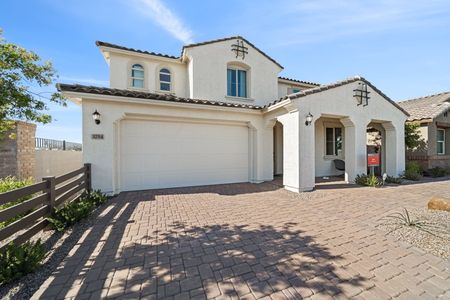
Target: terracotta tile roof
{"type": "Point", "coordinates": [428, 107]}
{"type": "Point", "coordinates": [299, 81]}
{"type": "Point", "coordinates": [62, 87]}
{"type": "Point", "coordinates": [334, 85]}
{"type": "Point", "coordinates": [231, 38]}
{"type": "Point", "coordinates": [104, 44]}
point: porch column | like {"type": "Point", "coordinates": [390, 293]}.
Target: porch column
{"type": "Point", "coordinates": [355, 148]}
{"type": "Point", "coordinates": [298, 153]}
{"type": "Point", "coordinates": [260, 152]}
{"type": "Point", "coordinates": [395, 148]}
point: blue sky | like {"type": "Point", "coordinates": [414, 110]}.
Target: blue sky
{"type": "Point", "coordinates": [402, 46]}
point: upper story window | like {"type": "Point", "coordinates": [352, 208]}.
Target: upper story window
{"type": "Point", "coordinates": [165, 80]}
{"type": "Point", "coordinates": [293, 90]}
{"type": "Point", "coordinates": [440, 141]}
{"type": "Point", "coordinates": [137, 76]}
{"type": "Point", "coordinates": [236, 82]}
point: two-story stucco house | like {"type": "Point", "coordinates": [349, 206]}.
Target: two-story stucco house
{"type": "Point", "coordinates": [432, 114]}
{"type": "Point", "coordinates": [220, 113]}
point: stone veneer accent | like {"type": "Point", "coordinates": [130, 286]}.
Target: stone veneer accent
{"type": "Point", "coordinates": [17, 155]}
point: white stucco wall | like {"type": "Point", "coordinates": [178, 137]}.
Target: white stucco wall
{"type": "Point", "coordinates": [120, 70]}
{"type": "Point", "coordinates": [209, 73]}
{"type": "Point", "coordinates": [103, 153]}
{"type": "Point", "coordinates": [324, 163]}
{"type": "Point", "coordinates": [303, 162]}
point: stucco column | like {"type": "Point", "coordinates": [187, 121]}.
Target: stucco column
{"type": "Point", "coordinates": [291, 161]}
{"type": "Point", "coordinates": [298, 153]}
{"type": "Point", "coordinates": [307, 151]}
{"type": "Point", "coordinates": [355, 148]}
{"type": "Point", "coordinates": [395, 148]}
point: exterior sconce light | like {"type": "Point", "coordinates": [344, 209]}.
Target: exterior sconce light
{"type": "Point", "coordinates": [96, 117]}
{"type": "Point", "coordinates": [309, 119]}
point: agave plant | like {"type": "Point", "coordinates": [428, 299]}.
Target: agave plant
{"type": "Point", "coordinates": [404, 219]}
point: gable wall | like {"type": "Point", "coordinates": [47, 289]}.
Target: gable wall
{"type": "Point", "coordinates": [209, 73]}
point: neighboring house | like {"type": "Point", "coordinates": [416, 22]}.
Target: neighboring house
{"type": "Point", "coordinates": [432, 113]}
{"type": "Point", "coordinates": [220, 113]}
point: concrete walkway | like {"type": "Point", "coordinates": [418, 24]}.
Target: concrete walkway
{"type": "Point", "coordinates": [246, 241]}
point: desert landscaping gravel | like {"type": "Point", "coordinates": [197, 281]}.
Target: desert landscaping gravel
{"type": "Point", "coordinates": [434, 238]}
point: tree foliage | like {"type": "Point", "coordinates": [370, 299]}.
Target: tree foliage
{"type": "Point", "coordinates": [412, 135]}
{"type": "Point", "coordinates": [20, 70]}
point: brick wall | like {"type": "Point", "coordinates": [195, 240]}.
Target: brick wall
{"type": "Point", "coordinates": [17, 156]}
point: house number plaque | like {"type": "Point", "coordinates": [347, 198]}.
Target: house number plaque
{"type": "Point", "coordinates": [97, 136]}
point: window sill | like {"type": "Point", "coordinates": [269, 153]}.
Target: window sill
{"type": "Point", "coordinates": [165, 92]}
{"type": "Point", "coordinates": [332, 157]}
{"type": "Point", "coordinates": [132, 88]}
{"type": "Point", "coordinates": [239, 99]}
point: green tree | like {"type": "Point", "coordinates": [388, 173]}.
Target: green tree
{"type": "Point", "coordinates": [21, 69]}
{"type": "Point", "coordinates": [412, 135]}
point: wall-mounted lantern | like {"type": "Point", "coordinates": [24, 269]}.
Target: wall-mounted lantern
{"type": "Point", "coordinates": [309, 119]}
{"type": "Point", "coordinates": [96, 117]}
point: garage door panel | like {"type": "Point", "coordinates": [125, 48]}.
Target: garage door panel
{"type": "Point", "coordinates": [164, 154]}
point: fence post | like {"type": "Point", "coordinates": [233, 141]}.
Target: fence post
{"type": "Point", "coordinates": [88, 177]}
{"type": "Point", "coordinates": [64, 144]}
{"type": "Point", "coordinates": [51, 192]}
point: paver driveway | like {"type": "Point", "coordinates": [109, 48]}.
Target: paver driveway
{"type": "Point", "coordinates": [251, 241]}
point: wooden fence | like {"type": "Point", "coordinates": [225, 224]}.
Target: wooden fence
{"type": "Point", "coordinates": [44, 196]}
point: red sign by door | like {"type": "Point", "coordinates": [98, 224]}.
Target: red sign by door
{"type": "Point", "coordinates": [373, 160]}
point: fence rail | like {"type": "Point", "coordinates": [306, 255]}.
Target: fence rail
{"type": "Point", "coordinates": [44, 197]}
{"type": "Point", "coordinates": [49, 144]}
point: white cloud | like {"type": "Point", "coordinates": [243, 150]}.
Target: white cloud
{"type": "Point", "coordinates": [166, 18]}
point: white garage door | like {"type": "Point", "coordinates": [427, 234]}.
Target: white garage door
{"type": "Point", "coordinates": [156, 154]}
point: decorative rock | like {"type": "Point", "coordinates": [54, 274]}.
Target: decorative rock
{"type": "Point", "coordinates": [439, 203]}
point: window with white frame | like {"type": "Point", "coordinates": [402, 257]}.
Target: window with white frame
{"type": "Point", "coordinates": [236, 82]}
{"type": "Point", "coordinates": [165, 80]}
{"type": "Point", "coordinates": [333, 141]}
{"type": "Point", "coordinates": [137, 76]}
{"type": "Point", "coordinates": [440, 141]}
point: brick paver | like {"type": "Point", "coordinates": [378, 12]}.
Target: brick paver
{"type": "Point", "coordinates": [247, 241]}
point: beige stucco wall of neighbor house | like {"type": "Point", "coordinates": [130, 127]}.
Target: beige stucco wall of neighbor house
{"type": "Point", "coordinates": [56, 162]}
{"type": "Point", "coordinates": [208, 66]}
{"type": "Point", "coordinates": [17, 154]}
{"type": "Point", "coordinates": [103, 153]}
{"type": "Point", "coordinates": [426, 154]}
{"type": "Point", "coordinates": [120, 71]}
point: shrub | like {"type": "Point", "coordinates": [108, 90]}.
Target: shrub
{"type": "Point", "coordinates": [447, 171]}
{"type": "Point", "coordinates": [16, 261]}
{"type": "Point", "coordinates": [413, 171]}
{"type": "Point", "coordinates": [392, 179]}
{"type": "Point", "coordinates": [411, 175]}
{"type": "Point", "coordinates": [414, 167]}
{"type": "Point", "coordinates": [75, 211]}
{"type": "Point", "coordinates": [437, 172]}
{"type": "Point", "coordinates": [8, 184]}
{"type": "Point", "coordinates": [367, 180]}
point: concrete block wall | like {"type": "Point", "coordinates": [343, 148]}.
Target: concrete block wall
{"type": "Point", "coordinates": [17, 157]}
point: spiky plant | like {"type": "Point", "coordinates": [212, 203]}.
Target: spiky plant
{"type": "Point", "coordinates": [404, 219]}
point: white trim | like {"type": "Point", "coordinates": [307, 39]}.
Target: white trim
{"type": "Point", "coordinates": [158, 81]}
{"type": "Point", "coordinates": [239, 66]}
{"type": "Point", "coordinates": [137, 54]}
{"type": "Point", "coordinates": [440, 141]}
{"type": "Point", "coordinates": [120, 99]}
{"type": "Point", "coordinates": [130, 77]}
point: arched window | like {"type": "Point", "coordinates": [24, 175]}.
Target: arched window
{"type": "Point", "coordinates": [237, 77]}
{"type": "Point", "coordinates": [137, 76]}
{"type": "Point", "coordinates": [165, 80]}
